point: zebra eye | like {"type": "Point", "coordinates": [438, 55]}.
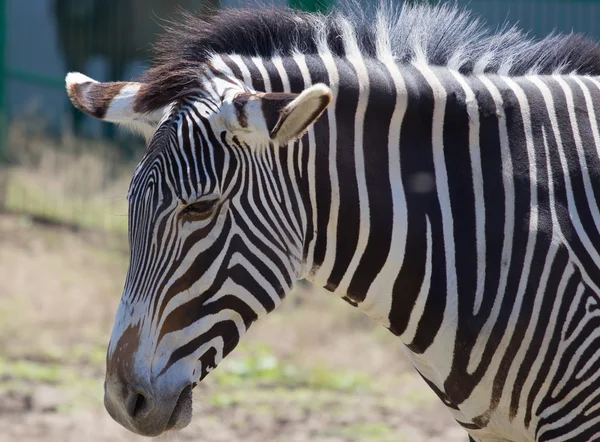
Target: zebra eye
{"type": "Point", "coordinates": [200, 209]}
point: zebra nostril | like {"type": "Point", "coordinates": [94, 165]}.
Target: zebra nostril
{"type": "Point", "coordinates": [137, 405]}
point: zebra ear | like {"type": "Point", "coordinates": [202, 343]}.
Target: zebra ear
{"type": "Point", "coordinates": [280, 117]}
{"type": "Point", "coordinates": [112, 102]}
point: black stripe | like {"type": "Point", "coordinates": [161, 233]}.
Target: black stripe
{"type": "Point", "coordinates": [349, 215]}
{"type": "Point", "coordinates": [317, 222]}
{"type": "Point", "coordinates": [382, 101]}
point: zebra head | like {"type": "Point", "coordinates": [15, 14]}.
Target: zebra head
{"type": "Point", "coordinates": [216, 235]}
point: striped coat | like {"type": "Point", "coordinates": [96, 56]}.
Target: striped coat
{"type": "Point", "coordinates": [440, 177]}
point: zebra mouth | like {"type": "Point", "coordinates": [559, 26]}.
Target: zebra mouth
{"type": "Point", "coordinates": [182, 413]}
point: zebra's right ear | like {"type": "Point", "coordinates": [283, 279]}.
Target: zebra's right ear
{"type": "Point", "coordinates": [276, 117]}
{"type": "Point", "coordinates": [112, 102]}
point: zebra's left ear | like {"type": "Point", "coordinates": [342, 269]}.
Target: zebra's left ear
{"type": "Point", "coordinates": [112, 102]}
{"type": "Point", "coordinates": [278, 117]}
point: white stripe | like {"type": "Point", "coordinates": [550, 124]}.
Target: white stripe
{"type": "Point", "coordinates": [509, 223]}
{"type": "Point", "coordinates": [419, 307]}
{"type": "Point", "coordinates": [244, 70]}
{"type": "Point", "coordinates": [359, 167]}
{"type": "Point", "coordinates": [443, 349]}
{"type": "Point", "coordinates": [263, 72]}
{"type": "Point", "coordinates": [378, 300]}
{"type": "Point", "coordinates": [190, 135]}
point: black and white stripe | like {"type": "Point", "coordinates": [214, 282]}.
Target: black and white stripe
{"type": "Point", "coordinates": [450, 190]}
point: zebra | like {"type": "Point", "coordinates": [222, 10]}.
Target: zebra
{"type": "Point", "coordinates": [440, 176]}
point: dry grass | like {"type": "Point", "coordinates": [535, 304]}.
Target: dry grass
{"type": "Point", "coordinates": [70, 181]}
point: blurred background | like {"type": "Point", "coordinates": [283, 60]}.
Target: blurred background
{"type": "Point", "coordinates": [316, 370]}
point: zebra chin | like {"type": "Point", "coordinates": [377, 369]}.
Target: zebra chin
{"type": "Point", "coordinates": [150, 373]}
{"type": "Point", "coordinates": [145, 398]}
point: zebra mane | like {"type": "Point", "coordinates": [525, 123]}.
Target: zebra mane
{"type": "Point", "coordinates": [438, 35]}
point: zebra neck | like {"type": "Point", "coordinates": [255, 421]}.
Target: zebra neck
{"type": "Point", "coordinates": [369, 158]}
{"type": "Point", "coordinates": [377, 210]}
{"type": "Point", "coordinates": [353, 219]}
{"type": "Point", "coordinates": [359, 218]}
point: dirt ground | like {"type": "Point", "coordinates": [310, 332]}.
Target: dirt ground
{"type": "Point", "coordinates": [315, 370]}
